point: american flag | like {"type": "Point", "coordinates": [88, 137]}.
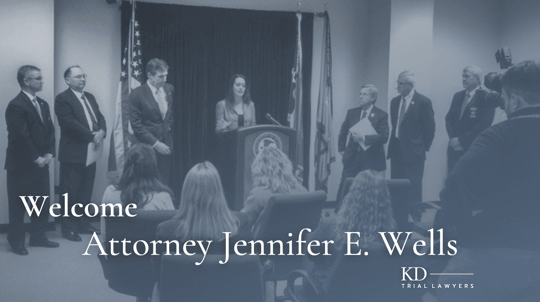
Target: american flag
{"type": "Point", "coordinates": [324, 147]}
{"type": "Point", "coordinates": [130, 78]}
{"type": "Point", "coordinates": [295, 103]}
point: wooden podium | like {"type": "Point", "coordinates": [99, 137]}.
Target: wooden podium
{"type": "Point", "coordinates": [240, 147]}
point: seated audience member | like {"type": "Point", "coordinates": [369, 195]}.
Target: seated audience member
{"type": "Point", "coordinates": [497, 179]}
{"type": "Point", "coordinates": [139, 183]}
{"type": "Point", "coordinates": [272, 174]}
{"type": "Point", "coordinates": [203, 212]}
{"type": "Point", "coordinates": [366, 209]}
{"type": "Point", "coordinates": [203, 215]}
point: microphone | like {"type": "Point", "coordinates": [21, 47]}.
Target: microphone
{"type": "Point", "coordinates": [268, 116]}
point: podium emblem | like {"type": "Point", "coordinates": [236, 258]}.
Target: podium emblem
{"type": "Point", "coordinates": [266, 139]}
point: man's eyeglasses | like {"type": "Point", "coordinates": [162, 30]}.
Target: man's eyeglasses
{"type": "Point", "coordinates": [81, 76]}
{"type": "Point", "coordinates": [39, 79]}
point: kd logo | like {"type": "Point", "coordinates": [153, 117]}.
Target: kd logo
{"type": "Point", "coordinates": [406, 273]}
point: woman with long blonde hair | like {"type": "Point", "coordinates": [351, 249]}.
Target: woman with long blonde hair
{"type": "Point", "coordinates": [272, 173]}
{"type": "Point", "coordinates": [203, 212]}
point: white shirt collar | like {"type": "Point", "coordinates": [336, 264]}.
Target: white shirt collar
{"type": "Point", "coordinates": [409, 96]}
{"type": "Point", "coordinates": [77, 94]}
{"type": "Point", "coordinates": [368, 111]}
{"type": "Point", "coordinates": [472, 92]}
{"type": "Point", "coordinates": [153, 89]}
{"type": "Point", "coordinates": [31, 97]}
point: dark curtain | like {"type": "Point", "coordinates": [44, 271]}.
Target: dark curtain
{"type": "Point", "coordinates": [204, 47]}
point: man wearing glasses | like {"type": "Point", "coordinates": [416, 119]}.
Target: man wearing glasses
{"type": "Point", "coordinates": [29, 152]}
{"type": "Point", "coordinates": [81, 123]}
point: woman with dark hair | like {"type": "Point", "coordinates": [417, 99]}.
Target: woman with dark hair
{"type": "Point", "coordinates": [236, 110]}
{"type": "Point", "coordinates": [139, 183]}
{"type": "Point", "coordinates": [272, 173]}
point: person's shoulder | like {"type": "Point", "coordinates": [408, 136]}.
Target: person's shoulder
{"type": "Point", "coordinates": [396, 99]}
{"type": "Point", "coordinates": [460, 93]}
{"type": "Point", "coordinates": [259, 190]}
{"type": "Point", "coordinates": [167, 227]}
{"type": "Point", "coordinates": [354, 110]}
{"type": "Point", "coordinates": [62, 96]}
{"type": "Point", "coordinates": [111, 195]}
{"type": "Point", "coordinates": [168, 88]}
{"type": "Point", "coordinates": [163, 201]}
{"type": "Point", "coordinates": [299, 189]}
{"type": "Point", "coordinates": [17, 100]}
{"type": "Point", "coordinates": [139, 89]}
{"type": "Point", "coordinates": [89, 95]}
{"type": "Point", "coordinates": [379, 111]}
{"type": "Point", "coordinates": [221, 103]}
{"type": "Point", "coordinates": [421, 98]}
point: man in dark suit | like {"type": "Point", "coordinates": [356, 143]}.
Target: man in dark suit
{"type": "Point", "coordinates": [81, 123]}
{"type": "Point", "coordinates": [30, 150]}
{"type": "Point", "coordinates": [355, 158]}
{"type": "Point", "coordinates": [413, 130]}
{"type": "Point", "coordinates": [469, 115]}
{"type": "Point", "coordinates": [151, 115]}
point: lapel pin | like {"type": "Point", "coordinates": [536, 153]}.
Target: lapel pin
{"type": "Point", "coordinates": [372, 115]}
{"type": "Point", "coordinates": [412, 103]}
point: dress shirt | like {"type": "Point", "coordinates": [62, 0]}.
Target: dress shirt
{"type": "Point", "coordinates": [408, 99]}
{"type": "Point", "coordinates": [84, 106]}
{"type": "Point", "coordinates": [159, 96]}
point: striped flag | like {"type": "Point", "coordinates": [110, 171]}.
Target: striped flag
{"type": "Point", "coordinates": [295, 103]}
{"type": "Point", "coordinates": [130, 78]}
{"type": "Point", "coordinates": [324, 148]}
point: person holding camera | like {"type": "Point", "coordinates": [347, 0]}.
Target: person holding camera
{"type": "Point", "coordinates": [491, 201]}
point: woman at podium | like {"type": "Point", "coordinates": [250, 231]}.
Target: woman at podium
{"type": "Point", "coordinates": [237, 109]}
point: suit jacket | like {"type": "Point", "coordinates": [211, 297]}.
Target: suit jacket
{"type": "Point", "coordinates": [28, 136]}
{"type": "Point", "coordinates": [374, 156]}
{"type": "Point", "coordinates": [478, 115]}
{"type": "Point", "coordinates": [417, 129]}
{"type": "Point", "coordinates": [148, 124]}
{"type": "Point", "coordinates": [225, 113]}
{"type": "Point", "coordinates": [76, 133]}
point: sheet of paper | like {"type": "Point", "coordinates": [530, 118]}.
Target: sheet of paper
{"type": "Point", "coordinates": [363, 127]}
{"type": "Point", "coordinates": [93, 155]}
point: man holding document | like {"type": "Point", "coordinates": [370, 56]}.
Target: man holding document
{"type": "Point", "coordinates": [366, 130]}
{"type": "Point", "coordinates": [82, 129]}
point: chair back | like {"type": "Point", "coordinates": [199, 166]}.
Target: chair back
{"type": "Point", "coordinates": [289, 213]}
{"type": "Point", "coordinates": [132, 275]}
{"type": "Point", "coordinates": [375, 277]}
{"type": "Point", "coordinates": [237, 280]}
{"type": "Point", "coordinates": [284, 214]}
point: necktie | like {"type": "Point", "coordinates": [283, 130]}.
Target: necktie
{"type": "Point", "coordinates": [400, 116]}
{"type": "Point", "coordinates": [95, 126]}
{"type": "Point", "coordinates": [161, 103]}
{"type": "Point", "coordinates": [364, 113]}
{"type": "Point", "coordinates": [38, 108]}
{"type": "Point", "coordinates": [465, 102]}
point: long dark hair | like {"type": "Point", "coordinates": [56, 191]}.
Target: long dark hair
{"type": "Point", "coordinates": [203, 212]}
{"type": "Point", "coordinates": [230, 94]}
{"type": "Point", "coordinates": [140, 179]}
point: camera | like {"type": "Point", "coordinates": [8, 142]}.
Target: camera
{"type": "Point", "coordinates": [492, 80]}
